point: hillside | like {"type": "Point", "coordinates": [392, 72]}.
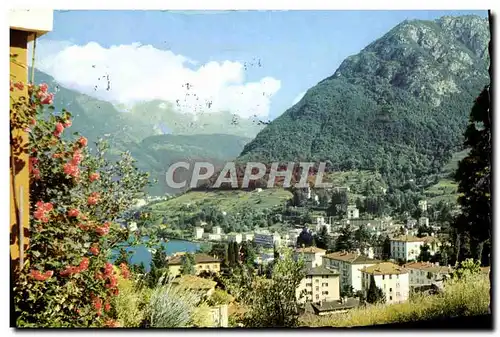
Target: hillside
{"type": "Point", "coordinates": [137, 132]}
{"type": "Point", "coordinates": [400, 106]}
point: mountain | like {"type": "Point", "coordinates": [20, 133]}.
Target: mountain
{"type": "Point", "coordinates": [399, 107]}
{"type": "Point", "coordinates": [208, 138]}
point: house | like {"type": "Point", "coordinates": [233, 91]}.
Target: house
{"type": "Point", "coordinates": [212, 236]}
{"type": "Point", "coordinates": [267, 239]}
{"type": "Point", "coordinates": [203, 262]}
{"type": "Point", "coordinates": [312, 256]}
{"type": "Point", "coordinates": [426, 273]}
{"type": "Point", "coordinates": [422, 204]}
{"type": "Point", "coordinates": [198, 233]}
{"type": "Point", "coordinates": [320, 284]}
{"type": "Point", "coordinates": [391, 278]}
{"type": "Point", "coordinates": [433, 242]}
{"type": "Point", "coordinates": [235, 237]}
{"type": "Point", "coordinates": [352, 212]}
{"type": "Point", "coordinates": [423, 221]}
{"type": "Point", "coordinates": [335, 307]}
{"type": "Point", "coordinates": [248, 237]}
{"type": "Point", "coordinates": [25, 26]}
{"type": "Point", "coordinates": [406, 247]}
{"type": "Point", "coordinates": [411, 223]}
{"type": "Point", "coordinates": [320, 222]}
{"type": "Point", "coordinates": [217, 230]}
{"type": "Point", "coordinates": [349, 266]}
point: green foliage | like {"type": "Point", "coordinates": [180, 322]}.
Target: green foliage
{"type": "Point", "coordinates": [323, 240]}
{"type": "Point", "coordinates": [78, 200]}
{"type": "Point", "coordinates": [466, 268]}
{"type": "Point", "coordinates": [347, 291]}
{"type": "Point", "coordinates": [218, 297]}
{"type": "Point", "coordinates": [346, 240]}
{"type": "Point", "coordinates": [131, 303]}
{"type": "Point", "coordinates": [188, 264]}
{"type": "Point", "coordinates": [425, 255]}
{"type": "Point", "coordinates": [274, 302]}
{"type": "Point", "coordinates": [374, 294]}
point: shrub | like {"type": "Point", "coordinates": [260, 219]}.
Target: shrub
{"type": "Point", "coordinates": [76, 199]}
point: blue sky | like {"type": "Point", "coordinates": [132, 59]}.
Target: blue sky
{"type": "Point", "coordinates": [298, 48]}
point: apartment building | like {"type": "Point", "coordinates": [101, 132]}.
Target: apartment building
{"type": "Point", "coordinates": [203, 262]}
{"type": "Point", "coordinates": [312, 256]}
{"type": "Point", "coordinates": [319, 285]}
{"type": "Point", "coordinates": [391, 278]}
{"type": "Point", "coordinates": [352, 212]}
{"type": "Point", "coordinates": [406, 247]}
{"type": "Point", "coordinates": [349, 266]}
{"type": "Point", "coordinates": [426, 273]}
{"type": "Point", "coordinates": [235, 237]}
{"type": "Point", "coordinates": [198, 233]}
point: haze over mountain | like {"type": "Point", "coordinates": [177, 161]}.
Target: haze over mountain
{"type": "Point", "coordinates": [400, 106]}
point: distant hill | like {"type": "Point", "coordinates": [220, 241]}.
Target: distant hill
{"type": "Point", "coordinates": [138, 131]}
{"type": "Point", "coordinates": [399, 107]}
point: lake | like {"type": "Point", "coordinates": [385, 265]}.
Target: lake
{"type": "Point", "coordinates": [141, 253]}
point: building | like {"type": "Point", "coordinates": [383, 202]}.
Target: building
{"type": "Point", "coordinates": [335, 307]}
{"type": "Point", "coordinates": [217, 230]}
{"type": "Point", "coordinates": [312, 256]}
{"type": "Point", "coordinates": [267, 239]}
{"type": "Point", "coordinates": [319, 285]}
{"type": "Point", "coordinates": [320, 222]}
{"type": "Point", "coordinates": [203, 263]}
{"type": "Point", "coordinates": [433, 242]}
{"type": "Point", "coordinates": [423, 221]}
{"type": "Point", "coordinates": [349, 266]}
{"type": "Point", "coordinates": [248, 237]}
{"type": "Point", "coordinates": [426, 273]}
{"type": "Point", "coordinates": [406, 247]}
{"type": "Point", "coordinates": [212, 237]}
{"type": "Point", "coordinates": [391, 278]}
{"type": "Point", "coordinates": [235, 237]}
{"type": "Point", "coordinates": [198, 233]}
{"type": "Point", "coordinates": [352, 212]}
{"type": "Point", "coordinates": [422, 204]}
{"type": "Point", "coordinates": [25, 26]}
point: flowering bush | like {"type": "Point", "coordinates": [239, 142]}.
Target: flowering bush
{"type": "Point", "coordinates": [77, 199]}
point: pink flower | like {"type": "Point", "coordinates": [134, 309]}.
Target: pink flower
{"type": "Point", "coordinates": [19, 85]}
{"type": "Point", "coordinates": [73, 213]}
{"type": "Point", "coordinates": [68, 123]}
{"type": "Point", "coordinates": [94, 250]}
{"type": "Point", "coordinates": [83, 141]}
{"type": "Point", "coordinates": [93, 198]}
{"type": "Point", "coordinates": [47, 99]}
{"type": "Point", "coordinates": [77, 157]}
{"type": "Point", "coordinates": [44, 87]}
{"type": "Point", "coordinates": [94, 176]}
{"type": "Point", "coordinates": [71, 169]}
{"type": "Point", "coordinates": [59, 127]}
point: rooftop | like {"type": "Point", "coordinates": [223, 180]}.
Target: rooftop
{"type": "Point", "coordinates": [310, 250]}
{"type": "Point", "coordinates": [320, 270]}
{"type": "Point", "coordinates": [408, 238]}
{"type": "Point", "coordinates": [352, 258]}
{"type": "Point", "coordinates": [429, 267]}
{"type": "Point", "coordinates": [336, 305]}
{"type": "Point", "coordinates": [385, 268]}
{"type": "Point", "coordinates": [198, 258]}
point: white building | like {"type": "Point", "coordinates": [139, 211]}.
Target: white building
{"type": "Point", "coordinates": [312, 256]}
{"type": "Point", "coordinates": [349, 266]}
{"type": "Point", "coordinates": [320, 222]}
{"type": "Point", "coordinates": [411, 223]}
{"type": "Point", "coordinates": [198, 233]}
{"type": "Point", "coordinates": [267, 239]}
{"type": "Point", "coordinates": [217, 230]}
{"type": "Point", "coordinates": [352, 212]}
{"type": "Point", "coordinates": [235, 237]}
{"type": "Point", "coordinates": [422, 204]}
{"type": "Point", "coordinates": [423, 221]}
{"type": "Point", "coordinates": [212, 236]}
{"type": "Point", "coordinates": [319, 285]}
{"type": "Point", "coordinates": [248, 237]}
{"type": "Point", "coordinates": [426, 273]}
{"type": "Point", "coordinates": [406, 247]}
{"type": "Point", "coordinates": [391, 278]}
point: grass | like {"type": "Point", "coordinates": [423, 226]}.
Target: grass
{"type": "Point", "coordinates": [445, 190]}
{"type": "Point", "coordinates": [465, 297]}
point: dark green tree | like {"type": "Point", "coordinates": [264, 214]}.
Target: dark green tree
{"type": "Point", "coordinates": [346, 240]}
{"type": "Point", "coordinates": [347, 291]}
{"type": "Point", "coordinates": [323, 239]}
{"type": "Point", "coordinates": [188, 264]}
{"type": "Point", "coordinates": [474, 177]}
{"type": "Point", "coordinates": [338, 205]}
{"type": "Point", "coordinates": [249, 254]}
{"type": "Point", "coordinates": [305, 239]}
{"type": "Point", "coordinates": [362, 237]}
{"type": "Point", "coordinates": [386, 248]}
{"type": "Point", "coordinates": [375, 294]}
{"type": "Point", "coordinates": [425, 255]}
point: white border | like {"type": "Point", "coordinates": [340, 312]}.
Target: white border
{"type": "Point", "coordinates": [184, 5]}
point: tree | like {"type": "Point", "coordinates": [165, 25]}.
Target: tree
{"type": "Point", "coordinates": [347, 291]}
{"type": "Point", "coordinates": [474, 177]}
{"type": "Point", "coordinates": [188, 264]}
{"type": "Point", "coordinates": [338, 205]}
{"type": "Point", "coordinates": [323, 239]}
{"type": "Point", "coordinates": [375, 294]}
{"type": "Point", "coordinates": [425, 255]}
{"type": "Point", "coordinates": [362, 237]}
{"type": "Point", "coordinates": [345, 241]}
{"type": "Point", "coordinates": [249, 254]}
{"type": "Point", "coordinates": [305, 239]}
{"type": "Point", "coordinates": [386, 248]}
{"type": "Point", "coordinates": [273, 302]}
{"type": "Point", "coordinates": [78, 201]}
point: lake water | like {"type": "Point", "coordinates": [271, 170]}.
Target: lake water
{"type": "Point", "coordinates": [141, 253]}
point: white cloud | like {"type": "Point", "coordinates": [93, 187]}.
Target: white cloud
{"type": "Point", "coordinates": [141, 73]}
{"type": "Point", "coordinates": [298, 98]}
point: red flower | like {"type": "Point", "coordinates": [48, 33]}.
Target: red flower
{"type": "Point", "coordinates": [73, 213]}
{"type": "Point", "coordinates": [71, 170]}
{"type": "Point", "coordinates": [82, 141]}
{"type": "Point", "coordinates": [111, 324]}
{"type": "Point", "coordinates": [103, 230]}
{"type": "Point", "coordinates": [33, 121]}
{"type": "Point", "coordinates": [107, 306]}
{"type": "Point", "coordinates": [94, 250]}
{"type": "Point", "coordinates": [47, 99]}
{"type": "Point", "coordinates": [37, 275]}
{"type": "Point", "coordinates": [93, 198]}
{"type": "Point", "coordinates": [77, 157]}
{"type": "Point", "coordinates": [83, 227]}
{"type": "Point", "coordinates": [108, 269]}
{"type": "Point", "coordinates": [68, 123]}
{"type": "Point", "coordinates": [39, 214]}
{"type": "Point", "coordinates": [44, 87]}
{"type": "Point", "coordinates": [84, 264]}
{"type": "Point", "coordinates": [94, 176]}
